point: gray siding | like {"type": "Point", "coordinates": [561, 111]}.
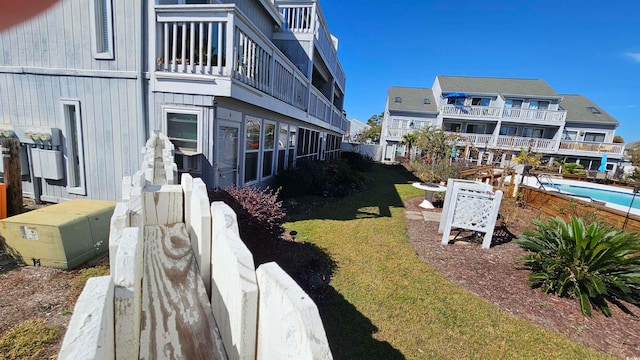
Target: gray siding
{"type": "Point", "coordinates": [112, 132]}
{"type": "Point", "coordinates": [61, 38]}
{"type": "Point", "coordinates": [159, 99]}
{"type": "Point", "coordinates": [256, 14]}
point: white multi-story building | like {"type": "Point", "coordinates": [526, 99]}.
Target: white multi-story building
{"type": "Point", "coordinates": [497, 117]}
{"type": "Point", "coordinates": [244, 88]}
{"type": "Point", "coordinates": [355, 127]}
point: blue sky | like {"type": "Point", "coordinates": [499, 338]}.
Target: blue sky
{"type": "Point", "coordinates": [583, 47]}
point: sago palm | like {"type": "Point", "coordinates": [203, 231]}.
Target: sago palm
{"type": "Point", "coordinates": [594, 263]}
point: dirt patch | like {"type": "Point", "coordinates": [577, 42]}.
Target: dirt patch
{"type": "Point", "coordinates": [493, 275]}
{"type": "Point", "coordinates": [28, 293]}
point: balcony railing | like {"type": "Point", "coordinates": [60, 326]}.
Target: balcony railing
{"type": "Point", "coordinates": [201, 42]}
{"type": "Point", "coordinates": [471, 111]}
{"type": "Point", "coordinates": [298, 18]}
{"type": "Point", "coordinates": [534, 115]}
{"type": "Point", "coordinates": [583, 146]}
{"type": "Point", "coordinates": [517, 143]}
{"type": "Point", "coordinates": [398, 132]}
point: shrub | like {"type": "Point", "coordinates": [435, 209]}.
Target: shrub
{"type": "Point", "coordinates": [28, 340]}
{"type": "Point", "coordinates": [262, 205]}
{"type": "Point", "coordinates": [431, 171]}
{"type": "Point", "coordinates": [573, 168]}
{"type": "Point", "coordinates": [357, 161]}
{"type": "Point", "coordinates": [593, 264]}
{"type": "Point", "coordinates": [320, 178]}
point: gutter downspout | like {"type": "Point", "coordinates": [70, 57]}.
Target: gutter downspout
{"type": "Point", "coordinates": [140, 89]}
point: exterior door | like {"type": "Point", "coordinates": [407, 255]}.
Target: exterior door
{"type": "Point", "coordinates": [227, 150]}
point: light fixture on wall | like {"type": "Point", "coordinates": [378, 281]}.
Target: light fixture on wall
{"type": "Point", "coordinates": [412, 125]}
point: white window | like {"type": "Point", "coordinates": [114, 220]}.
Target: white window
{"type": "Point", "coordinates": [570, 135]}
{"type": "Point", "coordinates": [102, 29]}
{"type": "Point", "coordinates": [538, 105]}
{"type": "Point", "coordinates": [480, 101]}
{"type": "Point", "coordinates": [532, 132]}
{"type": "Point", "coordinates": [452, 127]}
{"type": "Point", "coordinates": [184, 129]}
{"type": "Point", "coordinates": [476, 128]}
{"type": "Point", "coordinates": [513, 103]}
{"type": "Point", "coordinates": [253, 128]}
{"type": "Point", "coordinates": [268, 148]}
{"type": "Point", "coordinates": [594, 137]}
{"type": "Point", "coordinates": [76, 182]}
{"type": "Point", "coordinates": [508, 130]}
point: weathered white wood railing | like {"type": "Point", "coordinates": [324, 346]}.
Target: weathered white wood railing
{"type": "Point", "coordinates": [553, 116]}
{"type": "Point", "coordinates": [187, 289]}
{"type": "Point", "coordinates": [471, 111]}
{"type": "Point", "coordinates": [204, 41]}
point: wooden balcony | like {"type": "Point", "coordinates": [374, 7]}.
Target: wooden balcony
{"type": "Point", "coordinates": [585, 147]}
{"type": "Point", "coordinates": [216, 50]}
{"type": "Point", "coordinates": [301, 18]}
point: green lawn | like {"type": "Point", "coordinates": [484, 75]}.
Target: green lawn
{"type": "Point", "coordinates": [386, 303]}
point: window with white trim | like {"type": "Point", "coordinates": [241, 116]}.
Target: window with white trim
{"type": "Point", "coordinates": [309, 144]}
{"type": "Point", "coordinates": [76, 181]}
{"type": "Point", "coordinates": [508, 130]}
{"type": "Point", "coordinates": [532, 132]}
{"type": "Point", "coordinates": [476, 128]}
{"type": "Point", "coordinates": [594, 137]}
{"type": "Point", "coordinates": [268, 148]}
{"type": "Point", "coordinates": [184, 130]}
{"type": "Point", "coordinates": [293, 141]}
{"type": "Point", "coordinates": [283, 139]}
{"type": "Point", "coordinates": [252, 149]}
{"type": "Point", "coordinates": [102, 29]}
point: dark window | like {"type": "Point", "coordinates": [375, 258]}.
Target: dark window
{"type": "Point", "coordinates": [426, 101]}
{"type": "Point", "coordinates": [398, 99]}
{"type": "Point", "coordinates": [480, 101]}
{"type": "Point", "coordinates": [593, 110]}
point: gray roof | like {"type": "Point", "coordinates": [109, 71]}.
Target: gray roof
{"type": "Point", "coordinates": [577, 107]}
{"type": "Point", "coordinates": [412, 99]}
{"type": "Point", "coordinates": [488, 85]}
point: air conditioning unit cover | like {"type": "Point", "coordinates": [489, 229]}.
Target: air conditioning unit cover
{"type": "Point", "coordinates": [63, 235]}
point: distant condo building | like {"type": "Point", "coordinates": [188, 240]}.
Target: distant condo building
{"type": "Point", "coordinates": [496, 117]}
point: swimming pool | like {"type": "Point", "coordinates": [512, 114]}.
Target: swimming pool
{"type": "Point", "coordinates": [611, 196]}
{"type": "Point", "coordinates": [614, 197]}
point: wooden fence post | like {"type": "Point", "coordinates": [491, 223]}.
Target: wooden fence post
{"type": "Point", "coordinates": [12, 175]}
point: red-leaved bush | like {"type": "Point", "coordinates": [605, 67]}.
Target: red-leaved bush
{"type": "Point", "coordinates": [262, 205]}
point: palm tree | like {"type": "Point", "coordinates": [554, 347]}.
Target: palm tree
{"type": "Point", "coordinates": [409, 139]}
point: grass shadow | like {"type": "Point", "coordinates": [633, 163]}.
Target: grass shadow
{"type": "Point", "coordinates": [374, 202]}
{"type": "Point", "coordinates": [349, 333]}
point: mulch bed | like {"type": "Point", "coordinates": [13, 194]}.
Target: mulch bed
{"type": "Point", "coordinates": [493, 275]}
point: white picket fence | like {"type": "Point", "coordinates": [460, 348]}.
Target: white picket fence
{"type": "Point", "coordinates": [187, 289]}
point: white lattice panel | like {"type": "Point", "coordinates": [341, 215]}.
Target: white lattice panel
{"type": "Point", "coordinates": [471, 208]}
{"type": "Point", "coordinates": [473, 211]}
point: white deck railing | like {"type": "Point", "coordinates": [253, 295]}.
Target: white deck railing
{"type": "Point", "coordinates": [184, 285]}
{"type": "Point", "coordinates": [516, 143]}
{"type": "Point", "coordinates": [534, 115]}
{"type": "Point", "coordinates": [471, 111]}
{"type": "Point", "coordinates": [217, 40]}
{"type": "Point", "coordinates": [298, 18]}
